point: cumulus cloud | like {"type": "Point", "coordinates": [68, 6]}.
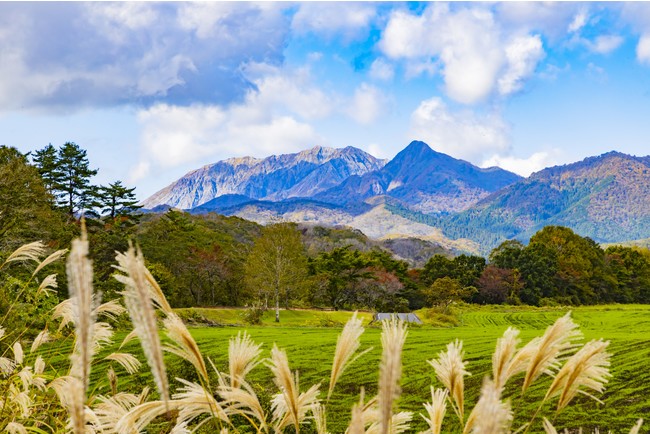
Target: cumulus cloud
{"type": "Point", "coordinates": [579, 21]}
{"type": "Point", "coordinates": [462, 134]}
{"type": "Point", "coordinates": [523, 54]}
{"type": "Point", "coordinates": [380, 69]}
{"type": "Point", "coordinates": [524, 166]}
{"type": "Point", "coordinates": [350, 20]}
{"type": "Point", "coordinates": [115, 53]}
{"type": "Point", "coordinates": [643, 50]}
{"type": "Point", "coordinates": [473, 49]}
{"type": "Point", "coordinates": [273, 117]}
{"type": "Point", "coordinates": [605, 44]}
{"type": "Point", "coordinates": [367, 104]}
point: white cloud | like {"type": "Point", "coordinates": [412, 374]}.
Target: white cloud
{"type": "Point", "coordinates": [271, 119]}
{"type": "Point", "coordinates": [380, 69]}
{"type": "Point", "coordinates": [523, 54]}
{"type": "Point", "coordinates": [578, 22]}
{"type": "Point", "coordinates": [463, 134]}
{"type": "Point", "coordinates": [524, 166]}
{"type": "Point", "coordinates": [605, 44]}
{"type": "Point", "coordinates": [330, 19]}
{"type": "Point", "coordinates": [473, 50]}
{"type": "Point", "coordinates": [125, 53]}
{"type": "Point", "coordinates": [367, 105]}
{"type": "Point", "coordinates": [643, 49]}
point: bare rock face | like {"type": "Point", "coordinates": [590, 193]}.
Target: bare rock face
{"type": "Point", "coordinates": [275, 178]}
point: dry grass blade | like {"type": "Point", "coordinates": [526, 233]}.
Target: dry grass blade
{"type": "Point", "coordinates": [243, 356]}
{"type": "Point", "coordinates": [48, 285]}
{"type": "Point", "coordinates": [15, 428]}
{"type": "Point", "coordinates": [436, 410]}
{"type": "Point", "coordinates": [357, 425]}
{"type": "Point", "coordinates": [548, 427]}
{"type": "Point", "coordinates": [128, 338]}
{"type": "Point", "coordinates": [83, 301]}
{"type": "Point", "coordinates": [47, 261]}
{"type": "Point", "coordinates": [142, 414]}
{"type": "Point", "coordinates": [320, 422]}
{"type": "Point", "coordinates": [183, 345]}
{"type": "Point", "coordinates": [40, 339]}
{"type": "Point", "coordinates": [243, 400]}
{"type": "Point", "coordinates": [503, 367]}
{"type": "Point", "coordinates": [491, 415]}
{"type": "Point", "coordinates": [27, 252]}
{"type": "Point", "coordinates": [289, 406]}
{"type": "Point", "coordinates": [635, 429]}
{"type": "Point", "coordinates": [128, 361]}
{"type": "Point", "coordinates": [544, 353]}
{"type": "Point", "coordinates": [450, 371]}
{"type": "Point", "coordinates": [347, 344]}
{"type": "Point", "coordinates": [19, 355]}
{"type": "Point", "coordinates": [137, 297]}
{"type": "Point", "coordinates": [588, 368]}
{"type": "Point", "coordinates": [393, 336]}
{"type": "Point", "coordinates": [194, 400]}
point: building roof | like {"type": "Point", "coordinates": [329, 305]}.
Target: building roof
{"type": "Point", "coordinates": [408, 317]}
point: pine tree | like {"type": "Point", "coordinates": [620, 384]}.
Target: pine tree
{"type": "Point", "coordinates": [72, 184]}
{"type": "Point", "coordinates": [116, 200]}
{"type": "Point", "coordinates": [46, 161]}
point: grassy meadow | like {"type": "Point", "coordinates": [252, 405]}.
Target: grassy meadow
{"type": "Point", "coordinates": [310, 347]}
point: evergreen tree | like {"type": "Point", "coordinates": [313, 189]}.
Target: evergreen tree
{"type": "Point", "coordinates": [72, 186]}
{"type": "Point", "coordinates": [46, 161]}
{"type": "Point", "coordinates": [116, 200]}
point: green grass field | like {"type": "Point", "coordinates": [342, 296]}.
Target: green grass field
{"type": "Point", "coordinates": [310, 349]}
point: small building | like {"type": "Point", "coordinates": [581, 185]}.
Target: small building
{"type": "Point", "coordinates": [406, 317]}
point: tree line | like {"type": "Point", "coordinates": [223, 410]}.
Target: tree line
{"type": "Point", "coordinates": [214, 260]}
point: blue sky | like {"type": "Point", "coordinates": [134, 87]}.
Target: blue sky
{"type": "Point", "coordinates": [153, 90]}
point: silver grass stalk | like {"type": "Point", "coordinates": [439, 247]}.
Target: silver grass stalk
{"type": "Point", "coordinates": [548, 427]}
{"type": "Point", "coordinates": [40, 339]}
{"type": "Point", "coordinates": [544, 353]}
{"type": "Point", "coordinates": [109, 410]}
{"type": "Point", "coordinates": [137, 297]}
{"type": "Point", "coordinates": [243, 400]}
{"type": "Point", "coordinates": [347, 344]}
{"type": "Point", "coordinates": [357, 425]}
{"type": "Point", "coordinates": [289, 407]}
{"type": "Point", "coordinates": [39, 365]}
{"type": "Point", "coordinates": [48, 285]}
{"type": "Point", "coordinates": [635, 429]}
{"type": "Point", "coordinates": [586, 369]}
{"type": "Point", "coordinates": [393, 336]}
{"type": "Point", "coordinates": [399, 423]}
{"type": "Point", "coordinates": [243, 356]}
{"type": "Point", "coordinates": [147, 280]}
{"type": "Point", "coordinates": [320, 421]}
{"type": "Point", "coordinates": [15, 428]}
{"type": "Point", "coordinates": [436, 410]}
{"type": "Point", "coordinates": [194, 401]}
{"type": "Point", "coordinates": [50, 259]}
{"type": "Point", "coordinates": [450, 371]}
{"type": "Point", "coordinates": [183, 345]}
{"type": "Point", "coordinates": [83, 300]}
{"type": "Point", "coordinates": [6, 366]}
{"type": "Point", "coordinates": [19, 355]}
{"type": "Point", "coordinates": [128, 361]}
{"type": "Point", "coordinates": [490, 415]}
{"type": "Point", "coordinates": [27, 252]}
{"type": "Point", "coordinates": [503, 357]}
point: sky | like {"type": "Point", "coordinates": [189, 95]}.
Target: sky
{"type": "Point", "coordinates": [154, 90]}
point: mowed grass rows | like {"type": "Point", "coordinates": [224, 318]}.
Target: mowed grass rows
{"type": "Point", "coordinates": [310, 349]}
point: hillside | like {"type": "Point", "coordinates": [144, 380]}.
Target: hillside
{"type": "Point", "coordinates": [604, 198]}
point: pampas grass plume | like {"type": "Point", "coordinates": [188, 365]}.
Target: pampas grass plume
{"type": "Point", "coordinates": [450, 370]}
{"type": "Point", "coordinates": [347, 344]}
{"type": "Point", "coordinates": [243, 356]}
{"type": "Point", "coordinates": [393, 336]}
{"type": "Point", "coordinates": [436, 410]}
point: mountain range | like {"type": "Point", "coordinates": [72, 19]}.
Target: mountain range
{"type": "Point", "coordinates": [424, 194]}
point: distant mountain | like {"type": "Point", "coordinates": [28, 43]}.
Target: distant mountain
{"type": "Point", "coordinates": [423, 180]}
{"type": "Point", "coordinates": [604, 198]}
{"type": "Point", "coordinates": [274, 178]}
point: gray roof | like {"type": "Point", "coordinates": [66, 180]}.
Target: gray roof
{"type": "Point", "coordinates": [408, 317]}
